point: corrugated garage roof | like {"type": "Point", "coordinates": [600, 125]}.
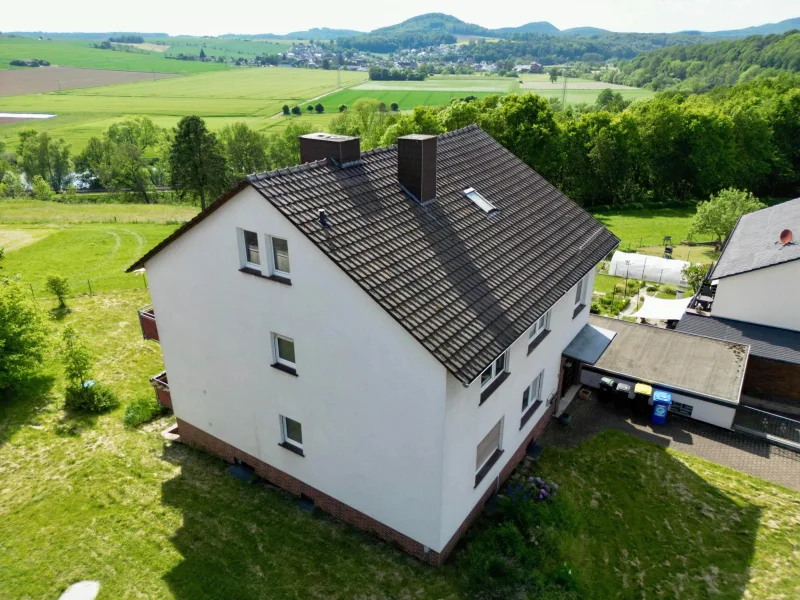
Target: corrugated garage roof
{"type": "Point", "coordinates": [709, 367]}
{"type": "Point", "coordinates": [764, 341]}
{"type": "Point", "coordinates": [464, 284]}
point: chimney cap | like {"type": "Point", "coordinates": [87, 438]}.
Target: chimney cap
{"type": "Point", "coordinates": [330, 137]}
{"type": "Point", "coordinates": [416, 136]}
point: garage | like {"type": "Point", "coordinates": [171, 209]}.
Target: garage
{"type": "Point", "coordinates": [704, 376]}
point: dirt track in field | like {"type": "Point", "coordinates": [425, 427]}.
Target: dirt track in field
{"type": "Point", "coordinates": [4, 120]}
{"type": "Point", "coordinates": [34, 80]}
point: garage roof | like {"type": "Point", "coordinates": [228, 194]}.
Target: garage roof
{"type": "Point", "coordinates": [711, 368]}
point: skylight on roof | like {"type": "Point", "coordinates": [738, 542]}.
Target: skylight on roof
{"type": "Point", "coordinates": [480, 201]}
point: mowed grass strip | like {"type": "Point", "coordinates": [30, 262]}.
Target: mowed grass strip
{"type": "Point", "coordinates": [648, 227]}
{"type": "Point", "coordinates": [406, 100]}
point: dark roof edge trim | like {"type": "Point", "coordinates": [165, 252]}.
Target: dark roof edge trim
{"type": "Point", "coordinates": [761, 268]}
{"type": "Point", "coordinates": [189, 224]}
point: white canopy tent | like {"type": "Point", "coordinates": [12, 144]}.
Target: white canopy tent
{"type": "Point", "coordinates": [647, 268]}
{"type": "Point", "coordinates": [661, 309]}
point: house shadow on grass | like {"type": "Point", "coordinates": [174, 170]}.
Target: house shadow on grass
{"type": "Point", "coordinates": [648, 526]}
{"type": "Point", "coordinates": [246, 540]}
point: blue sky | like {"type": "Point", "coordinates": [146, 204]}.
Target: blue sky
{"type": "Point", "coordinates": [201, 17]}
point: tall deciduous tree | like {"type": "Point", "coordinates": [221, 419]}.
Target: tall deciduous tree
{"type": "Point", "coordinates": [45, 156]}
{"type": "Point", "coordinates": [196, 160]}
{"type": "Point", "coordinates": [245, 150]}
{"type": "Point", "coordinates": [719, 215]}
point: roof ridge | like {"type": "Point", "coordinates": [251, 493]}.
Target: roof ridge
{"type": "Point", "coordinates": [256, 177]}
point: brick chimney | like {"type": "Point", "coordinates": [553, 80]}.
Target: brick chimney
{"type": "Point", "coordinates": [416, 165]}
{"type": "Point", "coordinates": [319, 146]}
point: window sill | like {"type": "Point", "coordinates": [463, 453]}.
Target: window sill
{"type": "Point", "coordinates": [488, 466]}
{"type": "Point", "coordinates": [285, 369]}
{"type": "Point", "coordinates": [578, 310]}
{"type": "Point", "coordinates": [493, 386]}
{"type": "Point", "coordinates": [529, 413]}
{"type": "Point", "coordinates": [532, 346]}
{"type": "Point", "coordinates": [291, 448]}
{"type": "Point", "coordinates": [257, 273]}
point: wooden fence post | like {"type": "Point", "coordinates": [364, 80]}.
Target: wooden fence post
{"type": "Point", "coordinates": [89, 283]}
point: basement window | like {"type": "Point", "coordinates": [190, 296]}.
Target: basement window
{"type": "Point", "coordinates": [480, 201]}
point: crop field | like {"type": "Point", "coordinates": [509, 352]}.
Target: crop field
{"type": "Point", "coordinates": [243, 94]}
{"type": "Point", "coordinates": [218, 46]}
{"type": "Point", "coordinates": [14, 82]}
{"type": "Point", "coordinates": [405, 99]}
{"type": "Point", "coordinates": [79, 53]}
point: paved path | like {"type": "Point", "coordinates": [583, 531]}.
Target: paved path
{"type": "Point", "coordinates": [735, 450]}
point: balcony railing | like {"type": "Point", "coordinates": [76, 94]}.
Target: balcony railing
{"type": "Point", "coordinates": [161, 385]}
{"type": "Point", "coordinates": [147, 320]}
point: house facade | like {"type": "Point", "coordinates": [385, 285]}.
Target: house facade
{"type": "Point", "coordinates": [752, 298]}
{"type": "Point", "coordinates": [381, 333]}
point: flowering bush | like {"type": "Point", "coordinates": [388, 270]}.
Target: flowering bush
{"type": "Point", "coordinates": [535, 489]}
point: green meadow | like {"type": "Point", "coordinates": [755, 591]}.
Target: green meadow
{"type": "Point", "coordinates": [79, 53]}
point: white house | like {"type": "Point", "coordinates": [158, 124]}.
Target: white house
{"type": "Point", "coordinates": [753, 299]}
{"type": "Point", "coordinates": [381, 332]}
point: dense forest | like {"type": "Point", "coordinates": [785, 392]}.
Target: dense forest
{"type": "Point", "coordinates": [701, 67]}
{"type": "Point", "coordinates": [393, 42]}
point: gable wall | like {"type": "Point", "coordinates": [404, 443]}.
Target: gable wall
{"type": "Point", "coordinates": [370, 398]}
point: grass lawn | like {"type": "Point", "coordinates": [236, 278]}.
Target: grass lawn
{"type": "Point", "coordinates": [34, 211]}
{"type": "Point", "coordinates": [654, 523]}
{"type": "Point", "coordinates": [695, 254]}
{"type": "Point", "coordinates": [606, 283]}
{"type": "Point", "coordinates": [647, 228]}
{"type": "Point", "coordinates": [406, 99]}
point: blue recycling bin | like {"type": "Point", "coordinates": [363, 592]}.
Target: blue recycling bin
{"type": "Point", "coordinates": [661, 403]}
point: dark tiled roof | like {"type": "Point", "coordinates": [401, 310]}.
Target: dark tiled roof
{"type": "Point", "coordinates": [465, 285]}
{"type": "Point", "coordinates": [754, 243]}
{"type": "Point", "coordinates": [764, 341]}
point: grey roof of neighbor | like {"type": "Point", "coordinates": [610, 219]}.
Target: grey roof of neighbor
{"type": "Point", "coordinates": [464, 284]}
{"type": "Point", "coordinates": [697, 364]}
{"type": "Point", "coordinates": [754, 243]}
{"type": "Point", "coordinates": [773, 343]}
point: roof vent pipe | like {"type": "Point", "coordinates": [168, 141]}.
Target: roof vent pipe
{"type": "Point", "coordinates": [416, 166]}
{"type": "Point", "coordinates": [323, 218]}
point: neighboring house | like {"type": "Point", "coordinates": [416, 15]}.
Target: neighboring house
{"type": "Point", "coordinates": [754, 299]}
{"type": "Point", "coordinates": [381, 332]}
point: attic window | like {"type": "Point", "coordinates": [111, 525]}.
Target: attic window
{"type": "Point", "coordinates": [480, 201]}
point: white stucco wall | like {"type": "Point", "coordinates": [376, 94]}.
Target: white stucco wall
{"type": "Point", "coordinates": [468, 421]}
{"type": "Point", "coordinates": [370, 398]}
{"type": "Point", "coordinates": [766, 296]}
{"type": "Point", "coordinates": [709, 412]}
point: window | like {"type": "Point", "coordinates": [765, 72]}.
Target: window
{"type": "Point", "coordinates": [252, 257]}
{"type": "Point", "coordinates": [291, 434]}
{"type": "Point", "coordinates": [488, 451]}
{"type": "Point", "coordinates": [283, 348]}
{"type": "Point", "coordinates": [541, 325]}
{"type": "Point", "coordinates": [580, 291]}
{"type": "Point", "coordinates": [493, 371]}
{"type": "Point", "coordinates": [280, 257]}
{"type": "Point", "coordinates": [533, 392]}
{"type": "Point", "coordinates": [480, 201]}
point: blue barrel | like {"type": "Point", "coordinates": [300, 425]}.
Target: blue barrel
{"type": "Point", "coordinates": [661, 403]}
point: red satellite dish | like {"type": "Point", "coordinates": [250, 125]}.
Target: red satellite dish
{"type": "Point", "coordinates": [786, 236]}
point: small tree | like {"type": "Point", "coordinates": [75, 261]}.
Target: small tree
{"type": "Point", "coordinates": [342, 107]}
{"type": "Point", "coordinates": [59, 287]}
{"type": "Point", "coordinates": [23, 339]}
{"type": "Point", "coordinates": [296, 110]}
{"type": "Point", "coordinates": [11, 185]}
{"type": "Point", "coordinates": [553, 75]}
{"type": "Point", "coordinates": [310, 108]}
{"type": "Point", "coordinates": [286, 109]}
{"type": "Point", "coordinates": [202, 54]}
{"type": "Point", "coordinates": [196, 160]}
{"type": "Point", "coordinates": [81, 393]}
{"type": "Point", "coordinates": [319, 108]}
{"type": "Point", "coordinates": [720, 213]}
{"type": "Point", "coordinates": [695, 275]}
{"type": "Point", "coordinates": [41, 189]}
{"type": "Point", "coordinates": [395, 106]}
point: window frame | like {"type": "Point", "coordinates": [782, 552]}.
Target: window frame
{"type": "Point", "coordinates": [285, 439]}
{"type": "Point", "coordinates": [276, 351]}
{"type": "Point", "coordinates": [533, 397]}
{"type": "Point", "coordinates": [580, 291]}
{"type": "Point", "coordinates": [273, 265]}
{"type": "Point", "coordinates": [244, 249]}
{"type": "Point", "coordinates": [495, 373]}
{"type": "Point", "coordinates": [480, 201]}
{"type": "Point", "coordinates": [483, 469]}
{"type": "Point", "coordinates": [544, 320]}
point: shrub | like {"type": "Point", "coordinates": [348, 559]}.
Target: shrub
{"type": "Point", "coordinates": [395, 106]}
{"type": "Point", "coordinates": [286, 109]}
{"type": "Point", "coordinates": [342, 107]}
{"type": "Point", "coordinates": [668, 289]}
{"type": "Point", "coordinates": [58, 285]}
{"type": "Point", "coordinates": [594, 308]}
{"type": "Point", "coordinates": [296, 110]}
{"type": "Point", "coordinates": [653, 287]}
{"type": "Point", "coordinates": [90, 397]}
{"type": "Point", "coordinates": [141, 410]}
{"type": "Point", "coordinates": [310, 108]}
{"type": "Point", "coordinates": [11, 186]}
{"type": "Point", "coordinates": [319, 108]}
{"type": "Point", "coordinates": [41, 189]}
{"type": "Point", "coordinates": [23, 338]}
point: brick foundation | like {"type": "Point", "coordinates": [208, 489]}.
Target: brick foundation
{"type": "Point", "coordinates": [772, 379]}
{"type": "Point", "coordinates": [198, 438]}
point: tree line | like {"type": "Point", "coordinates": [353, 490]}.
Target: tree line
{"type": "Point", "coordinates": [395, 41]}
{"type": "Point", "coordinates": [674, 147]}
{"type": "Point", "coordinates": [702, 67]}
